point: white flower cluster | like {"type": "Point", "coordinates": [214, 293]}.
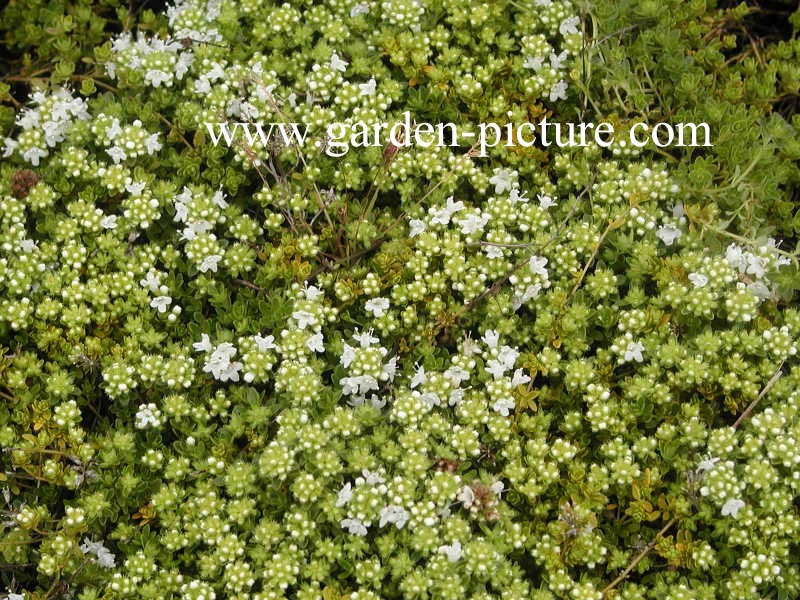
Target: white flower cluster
{"type": "Point", "coordinates": [549, 67]}
{"type": "Point", "coordinates": [366, 368]}
{"type": "Point", "coordinates": [162, 62]}
{"type": "Point", "coordinates": [753, 267]}
{"type": "Point", "coordinates": [148, 415]}
{"type": "Point", "coordinates": [45, 124]}
{"type": "Point", "coordinates": [220, 359]}
{"type": "Point", "coordinates": [124, 142]}
{"type": "Point", "coordinates": [500, 359]}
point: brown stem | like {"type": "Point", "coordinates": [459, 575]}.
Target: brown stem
{"type": "Point", "coordinates": [639, 557]}
{"type": "Point", "coordinates": [249, 284]}
{"type": "Point", "coordinates": [772, 381]}
{"type": "Point", "coordinates": [175, 129]}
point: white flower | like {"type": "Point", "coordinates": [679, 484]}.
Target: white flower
{"type": "Point", "coordinates": [377, 306]}
{"type": "Point", "coordinates": [264, 343]}
{"type": "Point", "coordinates": [514, 196]}
{"type": "Point", "coordinates": [707, 464]}
{"type": "Point", "coordinates": [116, 153]}
{"type": "Point", "coordinates": [456, 375]}
{"type": "Point", "coordinates": [496, 368]}
{"type": "Point", "coordinates": [698, 280]}
{"type": "Point", "coordinates": [557, 60]}
{"type": "Point", "coordinates": [33, 154]}
{"type": "Point", "coordinates": [348, 355]}
{"type": "Point", "coordinates": [545, 201]}
{"type": "Point", "coordinates": [533, 62]}
{"type": "Point", "coordinates": [204, 345]}
{"type": "Point", "coordinates": [537, 266]}
{"type": "Point", "coordinates": [152, 281]}
{"type": "Point", "coordinates": [668, 234]}
{"type": "Point", "coordinates": [147, 416]}
{"type": "Point", "coordinates": [473, 223]}
{"type": "Point", "coordinates": [314, 343]}
{"type": "Point", "coordinates": [759, 289]}
{"type": "Point", "coordinates": [185, 60]}
{"type": "Point", "coordinates": [216, 72]}
{"type": "Point", "coordinates": [519, 378]}
{"type": "Point", "coordinates": [466, 496]}
{"type": "Point", "coordinates": [161, 303]}
{"type": "Point", "coordinates": [390, 368]}
{"type": "Point", "coordinates": [491, 338]}
{"type": "Point", "coordinates": [419, 378]}
{"type": "Point", "coordinates": [456, 397]}
{"type": "Point", "coordinates": [365, 339]}
{"type": "Point", "coordinates": [345, 494]}
{"type": "Point", "coordinates": [210, 263]}
{"type": "Point", "coordinates": [10, 146]}
{"type": "Point", "coordinates": [181, 212]}
{"type": "Point", "coordinates": [135, 188]}
{"type": "Point", "coordinates": [503, 406]}
{"type": "Point", "coordinates": [367, 89]}
{"type": "Point", "coordinates": [11, 596]}
{"type": "Point", "coordinates": [27, 246]}
{"type": "Point", "coordinates": [569, 25]}
{"type": "Point", "coordinates": [493, 251]}
{"type": "Point", "coordinates": [312, 292]}
{"type": "Point", "coordinates": [558, 91]}
{"type": "Point", "coordinates": [337, 64]}
{"type": "Point", "coordinates": [431, 399]}
{"type": "Point", "coordinates": [756, 265]}
{"type": "Point", "coordinates": [202, 86]}
{"type": "Point", "coordinates": [497, 488]}
{"type": "Point", "coordinates": [732, 507]}
{"type": "Point", "coordinates": [394, 514]}
{"type": "Point", "coordinates": [304, 318]}
{"type": "Point", "coordinates": [194, 228]}
{"type": "Point", "coordinates": [152, 144]}
{"type": "Point", "coordinates": [362, 8]}
{"type": "Point", "coordinates": [634, 352]}
{"type": "Point", "coordinates": [443, 215]}
{"type": "Point", "coordinates": [452, 551]}
{"type": "Point", "coordinates": [103, 556]}
{"type": "Point", "coordinates": [219, 199]}
{"type": "Point", "coordinates": [359, 385]}
{"type": "Point", "coordinates": [470, 346]}
{"type": "Point", "coordinates": [156, 77]}
{"type": "Point", "coordinates": [417, 227]}
{"type": "Point", "coordinates": [372, 477]}
{"type": "Point", "coordinates": [219, 363]}
{"type": "Point", "coordinates": [531, 292]}
{"type": "Point", "coordinates": [114, 129]}
{"type": "Point", "coordinates": [502, 180]}
{"type": "Point", "coordinates": [735, 256]}
{"type": "Point", "coordinates": [354, 527]}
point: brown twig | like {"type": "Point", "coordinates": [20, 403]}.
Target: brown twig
{"type": "Point", "coordinates": [772, 381]}
{"type": "Point", "coordinates": [169, 124]}
{"type": "Point", "coordinates": [249, 284]}
{"type": "Point", "coordinates": [638, 558]}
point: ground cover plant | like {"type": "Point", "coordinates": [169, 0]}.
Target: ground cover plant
{"type": "Point", "coordinates": [262, 370]}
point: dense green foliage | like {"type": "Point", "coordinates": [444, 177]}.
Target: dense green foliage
{"type": "Point", "coordinates": [261, 371]}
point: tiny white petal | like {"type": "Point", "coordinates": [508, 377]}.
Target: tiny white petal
{"type": "Point", "coordinates": [732, 507]}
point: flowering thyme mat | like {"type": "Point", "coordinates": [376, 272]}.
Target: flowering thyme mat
{"type": "Point", "coordinates": [255, 368]}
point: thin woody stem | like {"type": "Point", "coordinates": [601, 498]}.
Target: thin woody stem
{"type": "Point", "coordinates": [638, 558]}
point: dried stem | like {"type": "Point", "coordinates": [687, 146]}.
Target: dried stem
{"type": "Point", "coordinates": [638, 558]}
{"type": "Point", "coordinates": [772, 381]}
